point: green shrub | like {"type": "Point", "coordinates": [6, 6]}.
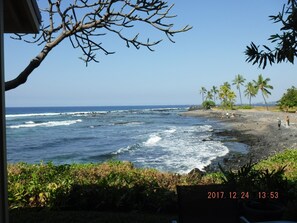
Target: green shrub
{"type": "Point", "coordinates": [289, 99]}
{"type": "Point", "coordinates": [112, 185]}
{"type": "Point", "coordinates": [37, 185]}
{"type": "Point", "coordinates": [116, 185]}
{"type": "Point", "coordinates": [208, 104]}
{"type": "Point", "coordinates": [252, 180]}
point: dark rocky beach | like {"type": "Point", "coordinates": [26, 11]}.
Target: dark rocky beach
{"type": "Point", "coordinates": [257, 129]}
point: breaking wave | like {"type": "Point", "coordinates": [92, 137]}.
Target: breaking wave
{"type": "Point", "coordinates": [31, 124]}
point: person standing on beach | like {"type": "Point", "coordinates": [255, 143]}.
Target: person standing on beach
{"type": "Point", "coordinates": [288, 120]}
{"type": "Point", "coordinates": [279, 122]}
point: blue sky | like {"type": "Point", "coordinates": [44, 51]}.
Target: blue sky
{"type": "Point", "coordinates": [209, 54]}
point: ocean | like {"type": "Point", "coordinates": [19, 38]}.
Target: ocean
{"type": "Point", "coordinates": [148, 136]}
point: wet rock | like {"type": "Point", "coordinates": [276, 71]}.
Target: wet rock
{"type": "Point", "coordinates": [196, 173]}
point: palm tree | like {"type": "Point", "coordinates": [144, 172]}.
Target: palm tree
{"type": "Point", "coordinates": [209, 95]}
{"type": "Point", "coordinates": [227, 95]}
{"type": "Point", "coordinates": [227, 85]}
{"type": "Point", "coordinates": [262, 85]}
{"type": "Point", "coordinates": [239, 80]}
{"type": "Point", "coordinates": [202, 92]}
{"type": "Point", "coordinates": [250, 91]}
{"type": "Point", "coordinates": [214, 91]}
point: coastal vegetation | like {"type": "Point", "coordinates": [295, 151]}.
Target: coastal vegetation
{"type": "Point", "coordinates": [289, 100]}
{"type": "Point", "coordinates": [113, 185]}
{"type": "Point", "coordinates": [118, 186]}
{"type": "Point", "coordinates": [228, 97]}
{"type": "Point", "coordinates": [250, 91]}
{"type": "Point", "coordinates": [262, 85]}
{"type": "Point", "coordinates": [208, 104]}
{"type": "Point", "coordinates": [238, 81]}
{"type": "Point", "coordinates": [268, 184]}
{"type": "Point", "coordinates": [203, 91]}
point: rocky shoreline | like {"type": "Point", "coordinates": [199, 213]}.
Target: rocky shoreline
{"type": "Point", "coordinates": [257, 129]}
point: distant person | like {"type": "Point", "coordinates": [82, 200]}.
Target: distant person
{"type": "Point", "coordinates": [288, 120]}
{"type": "Point", "coordinates": [279, 122]}
{"type": "Point", "coordinates": [227, 115]}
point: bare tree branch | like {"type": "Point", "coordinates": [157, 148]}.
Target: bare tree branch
{"type": "Point", "coordinates": [83, 22]}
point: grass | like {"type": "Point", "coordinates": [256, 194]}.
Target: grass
{"type": "Point", "coordinates": [287, 158]}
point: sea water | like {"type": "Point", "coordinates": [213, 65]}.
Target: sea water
{"type": "Point", "coordinates": [148, 136]}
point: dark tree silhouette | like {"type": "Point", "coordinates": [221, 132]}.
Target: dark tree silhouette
{"type": "Point", "coordinates": [83, 22]}
{"type": "Point", "coordinates": [286, 42]}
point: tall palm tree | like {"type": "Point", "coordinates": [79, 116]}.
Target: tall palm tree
{"type": "Point", "coordinates": [250, 91]}
{"type": "Point", "coordinates": [214, 91]}
{"type": "Point", "coordinates": [262, 85]}
{"type": "Point", "coordinates": [209, 95]}
{"type": "Point", "coordinates": [202, 92]}
{"type": "Point", "coordinates": [239, 80]}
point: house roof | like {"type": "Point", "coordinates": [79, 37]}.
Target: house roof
{"type": "Point", "coordinates": [21, 16]}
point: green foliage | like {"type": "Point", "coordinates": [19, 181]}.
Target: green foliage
{"type": "Point", "coordinates": [208, 104]}
{"type": "Point", "coordinates": [269, 174]}
{"type": "Point", "coordinates": [250, 91]}
{"type": "Point", "coordinates": [214, 90]}
{"type": "Point", "coordinates": [286, 47]}
{"type": "Point", "coordinates": [202, 92]}
{"type": "Point", "coordinates": [37, 185]}
{"type": "Point", "coordinates": [253, 180]}
{"type": "Point", "coordinates": [262, 85]}
{"type": "Point", "coordinates": [118, 186]}
{"type": "Point", "coordinates": [241, 179]}
{"type": "Point", "coordinates": [113, 185]}
{"type": "Point", "coordinates": [288, 157]}
{"type": "Point", "coordinates": [227, 96]}
{"type": "Point", "coordinates": [289, 99]}
{"type": "Point", "coordinates": [239, 80]}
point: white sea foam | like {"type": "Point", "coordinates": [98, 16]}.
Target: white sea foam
{"type": "Point", "coordinates": [152, 140]}
{"type": "Point", "coordinates": [81, 113]}
{"type": "Point", "coordinates": [31, 115]}
{"type": "Point", "coordinates": [206, 128]}
{"type": "Point", "coordinates": [180, 149]}
{"type": "Point", "coordinates": [121, 150]}
{"type": "Point", "coordinates": [126, 149]}
{"type": "Point", "coordinates": [170, 131]}
{"type": "Point", "coordinates": [31, 124]}
{"type": "Point", "coordinates": [182, 157]}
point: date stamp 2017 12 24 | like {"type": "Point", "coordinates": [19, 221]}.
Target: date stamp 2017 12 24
{"type": "Point", "coordinates": [242, 195]}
